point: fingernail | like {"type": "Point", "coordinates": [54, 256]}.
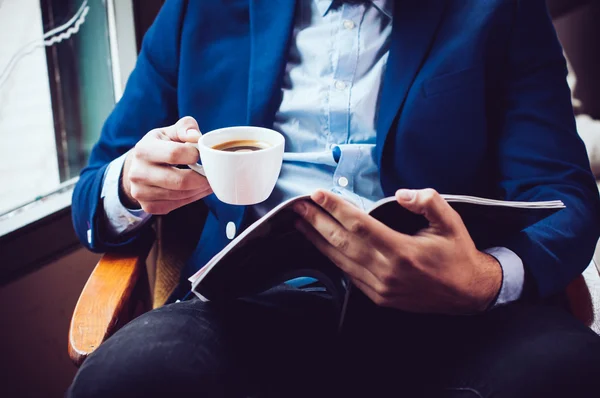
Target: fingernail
{"type": "Point", "coordinates": [405, 194]}
{"type": "Point", "coordinates": [192, 132]}
{"type": "Point", "coordinates": [318, 197]}
{"type": "Point", "coordinates": [300, 208]}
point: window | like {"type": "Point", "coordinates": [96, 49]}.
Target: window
{"type": "Point", "coordinates": [63, 64]}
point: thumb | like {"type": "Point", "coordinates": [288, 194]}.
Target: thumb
{"type": "Point", "coordinates": [185, 130]}
{"type": "Point", "coordinates": [428, 203]}
{"type": "Point", "coordinates": [191, 135]}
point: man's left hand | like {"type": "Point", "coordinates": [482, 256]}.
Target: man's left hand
{"type": "Point", "coordinates": [438, 270]}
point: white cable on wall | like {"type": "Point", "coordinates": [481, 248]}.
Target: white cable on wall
{"type": "Point", "coordinates": [49, 38]}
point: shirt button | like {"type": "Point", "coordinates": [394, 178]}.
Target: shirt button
{"type": "Point", "coordinates": [340, 85]}
{"type": "Point", "coordinates": [343, 182]}
{"type": "Point", "coordinates": [89, 236]}
{"type": "Point", "coordinates": [230, 230]}
{"type": "Point", "coordinates": [348, 24]}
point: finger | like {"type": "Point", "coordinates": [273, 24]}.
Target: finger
{"type": "Point", "coordinates": [162, 207]}
{"type": "Point", "coordinates": [146, 193]}
{"type": "Point", "coordinates": [167, 177]}
{"type": "Point", "coordinates": [371, 293]}
{"type": "Point", "coordinates": [430, 204]}
{"type": "Point", "coordinates": [156, 150]}
{"type": "Point", "coordinates": [359, 223]}
{"type": "Point", "coordinates": [334, 233]}
{"type": "Point", "coordinates": [185, 130]}
{"type": "Point", "coordinates": [346, 264]}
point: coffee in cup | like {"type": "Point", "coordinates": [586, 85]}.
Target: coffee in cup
{"type": "Point", "coordinates": [242, 146]}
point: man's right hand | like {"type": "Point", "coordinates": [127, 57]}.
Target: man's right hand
{"type": "Point", "coordinates": [151, 180]}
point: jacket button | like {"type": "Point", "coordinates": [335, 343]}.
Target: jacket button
{"type": "Point", "coordinates": [230, 230]}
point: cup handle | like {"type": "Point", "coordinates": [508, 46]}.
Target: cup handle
{"type": "Point", "coordinates": [198, 168]}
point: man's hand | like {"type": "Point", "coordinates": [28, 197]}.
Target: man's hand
{"type": "Point", "coordinates": [151, 181]}
{"type": "Point", "coordinates": [438, 270]}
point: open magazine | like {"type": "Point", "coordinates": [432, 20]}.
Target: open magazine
{"type": "Point", "coordinates": [271, 251]}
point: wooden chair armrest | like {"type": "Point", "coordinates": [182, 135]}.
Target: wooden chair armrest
{"type": "Point", "coordinates": [104, 302]}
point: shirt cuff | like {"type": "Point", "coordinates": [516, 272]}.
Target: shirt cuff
{"type": "Point", "coordinates": [513, 275]}
{"type": "Point", "coordinates": [119, 219]}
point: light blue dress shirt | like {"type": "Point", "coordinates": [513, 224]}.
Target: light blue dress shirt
{"type": "Point", "coordinates": [336, 63]}
{"type": "Point", "coordinates": [333, 77]}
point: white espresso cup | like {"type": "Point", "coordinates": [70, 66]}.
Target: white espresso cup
{"type": "Point", "coordinates": [242, 177]}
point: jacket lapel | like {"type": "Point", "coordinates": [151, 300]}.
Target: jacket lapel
{"type": "Point", "coordinates": [413, 33]}
{"type": "Point", "coordinates": [271, 24]}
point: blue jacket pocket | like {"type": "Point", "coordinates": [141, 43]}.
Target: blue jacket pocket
{"type": "Point", "coordinates": [453, 81]}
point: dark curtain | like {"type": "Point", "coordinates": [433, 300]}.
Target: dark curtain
{"type": "Point", "coordinates": [144, 13]}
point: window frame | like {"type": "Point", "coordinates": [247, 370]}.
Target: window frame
{"type": "Point", "coordinates": [40, 231]}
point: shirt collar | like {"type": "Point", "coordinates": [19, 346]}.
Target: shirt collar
{"type": "Point", "coordinates": [385, 6]}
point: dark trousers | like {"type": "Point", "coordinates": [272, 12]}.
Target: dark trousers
{"type": "Point", "coordinates": [285, 343]}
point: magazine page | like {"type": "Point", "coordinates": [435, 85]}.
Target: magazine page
{"type": "Point", "coordinates": [241, 239]}
{"type": "Point", "coordinates": [549, 204]}
{"type": "Point", "coordinates": [488, 221]}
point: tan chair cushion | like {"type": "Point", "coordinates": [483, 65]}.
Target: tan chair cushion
{"type": "Point", "coordinates": [177, 236]}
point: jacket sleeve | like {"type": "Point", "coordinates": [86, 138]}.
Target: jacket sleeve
{"type": "Point", "coordinates": [541, 156]}
{"type": "Point", "coordinates": [149, 101]}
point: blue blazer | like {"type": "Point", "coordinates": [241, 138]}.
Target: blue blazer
{"type": "Point", "coordinates": [474, 101]}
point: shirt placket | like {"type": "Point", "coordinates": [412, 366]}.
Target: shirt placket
{"type": "Point", "coordinates": [347, 52]}
{"type": "Point", "coordinates": [343, 177]}
{"type": "Point", "coordinates": [346, 47]}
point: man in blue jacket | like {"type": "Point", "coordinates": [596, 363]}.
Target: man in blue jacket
{"type": "Point", "coordinates": [408, 99]}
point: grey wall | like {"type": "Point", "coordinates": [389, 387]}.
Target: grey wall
{"type": "Point", "coordinates": [579, 33]}
{"type": "Point", "coordinates": [35, 312]}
